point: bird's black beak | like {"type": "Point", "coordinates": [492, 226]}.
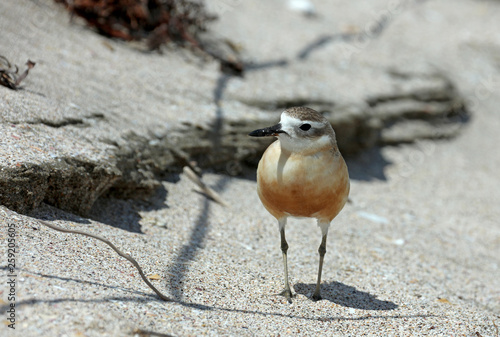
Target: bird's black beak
{"type": "Point", "coordinates": [266, 132]}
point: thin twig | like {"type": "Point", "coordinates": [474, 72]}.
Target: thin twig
{"type": "Point", "coordinates": [30, 64]}
{"type": "Point", "coordinates": [9, 77]}
{"type": "Point", "coordinates": [119, 252]}
{"type": "Point", "coordinates": [183, 157]}
{"type": "Point", "coordinates": [207, 190]}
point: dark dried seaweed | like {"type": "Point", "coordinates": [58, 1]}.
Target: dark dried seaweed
{"type": "Point", "coordinates": [9, 75]}
{"type": "Point", "coordinates": [156, 21]}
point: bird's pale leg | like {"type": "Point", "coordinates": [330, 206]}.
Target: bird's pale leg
{"type": "Point", "coordinates": [321, 250]}
{"type": "Point", "coordinates": [284, 248]}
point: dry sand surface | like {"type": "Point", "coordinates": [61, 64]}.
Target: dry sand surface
{"type": "Point", "coordinates": [415, 254]}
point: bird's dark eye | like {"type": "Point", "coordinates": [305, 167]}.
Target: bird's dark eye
{"type": "Point", "coordinates": [305, 127]}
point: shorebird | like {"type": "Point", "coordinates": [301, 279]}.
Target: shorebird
{"type": "Point", "coordinates": [302, 174]}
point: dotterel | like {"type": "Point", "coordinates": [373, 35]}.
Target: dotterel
{"type": "Point", "coordinates": [302, 174]}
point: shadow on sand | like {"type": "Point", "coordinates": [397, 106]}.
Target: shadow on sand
{"type": "Point", "coordinates": [345, 296]}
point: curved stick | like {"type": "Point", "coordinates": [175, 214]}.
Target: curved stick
{"type": "Point", "coordinates": [119, 252]}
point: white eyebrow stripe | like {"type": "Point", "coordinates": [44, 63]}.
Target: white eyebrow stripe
{"type": "Point", "coordinates": [314, 124]}
{"type": "Point", "coordinates": [292, 121]}
{"type": "Point", "coordinates": [287, 120]}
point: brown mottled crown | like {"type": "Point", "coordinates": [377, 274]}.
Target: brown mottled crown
{"type": "Point", "coordinates": [305, 114]}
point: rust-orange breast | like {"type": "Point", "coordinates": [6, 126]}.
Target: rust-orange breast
{"type": "Point", "coordinates": [314, 185]}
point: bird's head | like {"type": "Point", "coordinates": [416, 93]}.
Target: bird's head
{"type": "Point", "coordinates": [301, 130]}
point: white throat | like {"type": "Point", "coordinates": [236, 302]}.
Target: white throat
{"type": "Point", "coordinates": [300, 145]}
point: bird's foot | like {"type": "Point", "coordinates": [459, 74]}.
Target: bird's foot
{"type": "Point", "coordinates": [316, 297]}
{"type": "Point", "coordinates": [288, 295]}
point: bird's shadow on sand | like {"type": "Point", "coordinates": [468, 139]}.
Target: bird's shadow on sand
{"type": "Point", "coordinates": [345, 296]}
